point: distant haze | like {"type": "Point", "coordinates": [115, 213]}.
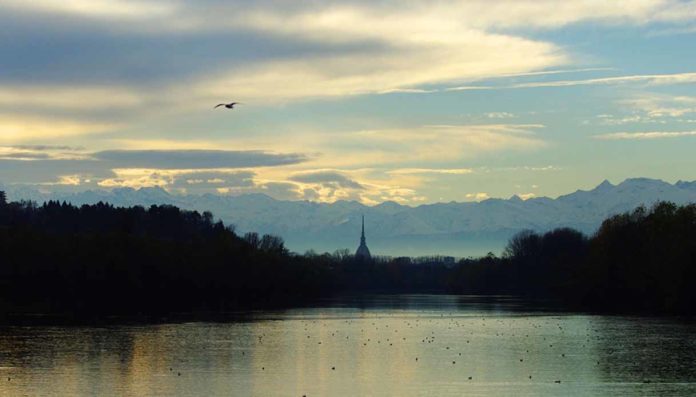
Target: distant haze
{"type": "Point", "coordinates": [457, 229]}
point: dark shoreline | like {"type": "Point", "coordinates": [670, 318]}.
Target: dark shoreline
{"type": "Point", "coordinates": [61, 263]}
{"type": "Point", "coordinates": [351, 300]}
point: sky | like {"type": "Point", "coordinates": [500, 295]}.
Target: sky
{"type": "Point", "coordinates": [407, 101]}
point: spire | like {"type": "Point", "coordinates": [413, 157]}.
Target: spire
{"type": "Point", "coordinates": [362, 235]}
{"type": "Point", "coordinates": [363, 253]}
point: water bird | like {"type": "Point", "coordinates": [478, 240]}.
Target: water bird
{"type": "Point", "coordinates": [227, 105]}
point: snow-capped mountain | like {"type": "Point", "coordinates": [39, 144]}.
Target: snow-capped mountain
{"type": "Point", "coordinates": [458, 229]}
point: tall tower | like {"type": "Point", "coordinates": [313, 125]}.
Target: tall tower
{"type": "Point", "coordinates": [363, 253]}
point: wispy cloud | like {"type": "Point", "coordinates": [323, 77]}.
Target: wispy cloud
{"type": "Point", "coordinates": [648, 79]}
{"type": "Point", "coordinates": [499, 115]}
{"type": "Point", "coordinates": [644, 135]}
{"type": "Point", "coordinates": [661, 106]}
{"type": "Point", "coordinates": [446, 171]}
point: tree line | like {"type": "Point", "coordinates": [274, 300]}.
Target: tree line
{"type": "Point", "coordinates": [100, 259]}
{"type": "Point", "coordinates": [640, 261]}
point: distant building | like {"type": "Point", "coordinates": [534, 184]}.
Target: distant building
{"type": "Point", "coordinates": [3, 198]}
{"type": "Point", "coordinates": [363, 253]}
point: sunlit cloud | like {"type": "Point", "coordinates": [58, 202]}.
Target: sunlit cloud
{"type": "Point", "coordinates": [42, 152]}
{"type": "Point", "coordinates": [181, 181]}
{"type": "Point", "coordinates": [480, 196]}
{"type": "Point", "coordinates": [70, 97]}
{"type": "Point", "coordinates": [325, 115]}
{"type": "Point", "coordinates": [18, 128]}
{"type": "Point", "coordinates": [389, 71]}
{"type": "Point", "coordinates": [102, 9]}
{"type": "Point", "coordinates": [526, 196]}
{"type": "Point", "coordinates": [72, 180]}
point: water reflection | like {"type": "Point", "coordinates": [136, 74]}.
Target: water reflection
{"type": "Point", "coordinates": [398, 346]}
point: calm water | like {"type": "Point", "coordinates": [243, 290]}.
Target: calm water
{"type": "Point", "coordinates": [386, 346]}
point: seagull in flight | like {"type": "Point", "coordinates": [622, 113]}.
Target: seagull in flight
{"type": "Point", "coordinates": [227, 105]}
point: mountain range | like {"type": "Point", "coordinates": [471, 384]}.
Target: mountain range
{"type": "Point", "coordinates": [454, 228]}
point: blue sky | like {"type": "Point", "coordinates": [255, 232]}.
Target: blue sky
{"type": "Point", "coordinates": [415, 102]}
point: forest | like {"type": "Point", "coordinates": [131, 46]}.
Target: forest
{"type": "Point", "coordinates": [101, 260]}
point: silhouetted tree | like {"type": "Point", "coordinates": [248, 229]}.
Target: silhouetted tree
{"type": "Point", "coordinates": [101, 259]}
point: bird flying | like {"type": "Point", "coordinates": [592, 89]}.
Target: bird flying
{"type": "Point", "coordinates": [227, 105]}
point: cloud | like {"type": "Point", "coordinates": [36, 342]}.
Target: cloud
{"type": "Point", "coordinates": [70, 180]}
{"type": "Point", "coordinates": [211, 181]}
{"type": "Point", "coordinates": [309, 50]}
{"type": "Point", "coordinates": [649, 79]}
{"type": "Point", "coordinates": [70, 97]}
{"type": "Point", "coordinates": [480, 196]}
{"type": "Point", "coordinates": [100, 9]}
{"type": "Point", "coordinates": [162, 56]}
{"type": "Point", "coordinates": [609, 119]}
{"type": "Point", "coordinates": [644, 135]}
{"type": "Point", "coordinates": [407, 147]}
{"type": "Point", "coordinates": [331, 179]}
{"type": "Point", "coordinates": [41, 152]}
{"type": "Point", "coordinates": [661, 106]}
{"type": "Point", "coordinates": [526, 196]}
{"type": "Point", "coordinates": [24, 155]}
{"type": "Point", "coordinates": [446, 171]}
{"type": "Point", "coordinates": [195, 159]}
{"type": "Point", "coordinates": [20, 128]}
{"type": "Point", "coordinates": [33, 171]}
{"type": "Point", "coordinates": [49, 147]}
{"type": "Point", "coordinates": [189, 181]}
{"type": "Point", "coordinates": [396, 69]}
{"type": "Point", "coordinates": [445, 142]}
{"type": "Point", "coordinates": [137, 168]}
{"type": "Point", "coordinates": [499, 115]}
{"type": "Point", "coordinates": [337, 16]}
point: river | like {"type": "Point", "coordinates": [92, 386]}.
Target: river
{"type": "Point", "coordinates": [389, 345]}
